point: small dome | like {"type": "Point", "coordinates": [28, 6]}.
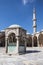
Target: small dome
{"type": "Point", "coordinates": [14, 26]}
{"type": "Point", "coordinates": [27, 33]}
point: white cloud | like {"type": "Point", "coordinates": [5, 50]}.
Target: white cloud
{"type": "Point", "coordinates": [31, 1]}
{"type": "Point", "coordinates": [27, 1]}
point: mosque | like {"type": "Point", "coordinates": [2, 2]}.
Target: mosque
{"type": "Point", "coordinates": [15, 39]}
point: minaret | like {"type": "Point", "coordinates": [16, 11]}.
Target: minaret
{"type": "Point", "coordinates": [34, 21]}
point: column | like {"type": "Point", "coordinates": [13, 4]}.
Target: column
{"type": "Point", "coordinates": [17, 44]}
{"type": "Point", "coordinates": [25, 45]}
{"type": "Point", "coordinates": [38, 42]}
{"type": "Point", "coordinates": [6, 40]}
{"type": "Point", "coordinates": [32, 41]}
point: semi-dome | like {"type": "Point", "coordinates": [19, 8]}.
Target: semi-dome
{"type": "Point", "coordinates": [14, 25]}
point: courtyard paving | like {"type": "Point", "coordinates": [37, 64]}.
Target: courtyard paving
{"type": "Point", "coordinates": [33, 56]}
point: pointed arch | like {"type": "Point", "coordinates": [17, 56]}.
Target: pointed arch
{"type": "Point", "coordinates": [35, 41]}
{"type": "Point", "coordinates": [29, 41]}
{"type": "Point", "coordinates": [40, 38]}
{"type": "Point", "coordinates": [11, 39]}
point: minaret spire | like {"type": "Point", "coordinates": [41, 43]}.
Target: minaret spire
{"type": "Point", "coordinates": [34, 21]}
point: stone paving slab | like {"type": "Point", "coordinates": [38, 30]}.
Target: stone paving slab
{"type": "Point", "coordinates": [22, 63]}
{"type": "Point", "coordinates": [25, 59]}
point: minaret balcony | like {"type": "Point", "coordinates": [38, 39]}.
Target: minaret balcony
{"type": "Point", "coordinates": [34, 19]}
{"type": "Point", "coordinates": [34, 26]}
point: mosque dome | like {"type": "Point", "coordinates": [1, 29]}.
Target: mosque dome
{"type": "Point", "coordinates": [14, 26]}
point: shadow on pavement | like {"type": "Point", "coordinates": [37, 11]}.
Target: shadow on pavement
{"type": "Point", "coordinates": [32, 51]}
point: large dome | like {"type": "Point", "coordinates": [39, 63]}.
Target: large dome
{"type": "Point", "coordinates": [14, 26]}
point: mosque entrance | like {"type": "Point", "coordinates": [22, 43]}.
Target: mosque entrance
{"type": "Point", "coordinates": [11, 43]}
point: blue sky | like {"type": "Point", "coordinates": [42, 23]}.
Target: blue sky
{"type": "Point", "coordinates": [16, 12]}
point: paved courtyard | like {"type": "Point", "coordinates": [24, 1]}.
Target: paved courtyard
{"type": "Point", "coordinates": [33, 56]}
